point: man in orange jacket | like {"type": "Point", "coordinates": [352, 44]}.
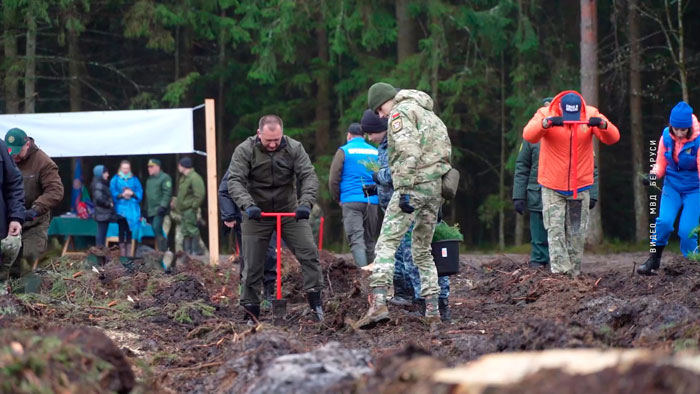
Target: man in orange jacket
{"type": "Point", "coordinates": [566, 129]}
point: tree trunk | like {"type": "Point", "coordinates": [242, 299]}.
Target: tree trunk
{"type": "Point", "coordinates": [30, 67]}
{"type": "Point", "coordinates": [589, 89]}
{"type": "Point", "coordinates": [323, 109]}
{"type": "Point", "coordinates": [641, 218]}
{"type": "Point", "coordinates": [75, 89]}
{"type": "Point", "coordinates": [406, 39]}
{"type": "Point", "coordinates": [220, 135]}
{"type": "Point", "coordinates": [682, 67]}
{"type": "Point", "coordinates": [12, 74]}
{"type": "Point", "coordinates": [502, 167]}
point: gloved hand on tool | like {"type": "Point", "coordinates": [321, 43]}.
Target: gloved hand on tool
{"type": "Point", "coordinates": [302, 212]}
{"type": "Point", "coordinates": [597, 122]}
{"type": "Point", "coordinates": [552, 121]}
{"type": "Point", "coordinates": [519, 205]}
{"type": "Point", "coordinates": [253, 212]}
{"type": "Point", "coordinates": [405, 204]}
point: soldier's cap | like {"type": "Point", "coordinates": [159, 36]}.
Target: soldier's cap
{"type": "Point", "coordinates": [547, 100]}
{"type": "Point", "coordinates": [355, 129]}
{"type": "Point", "coordinates": [15, 140]}
{"type": "Point", "coordinates": [154, 162]}
{"type": "Point", "coordinates": [373, 123]}
{"type": "Point", "coordinates": [380, 93]}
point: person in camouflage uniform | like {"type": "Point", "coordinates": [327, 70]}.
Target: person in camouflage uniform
{"type": "Point", "coordinates": [159, 191]}
{"type": "Point", "coordinates": [190, 195]}
{"type": "Point", "coordinates": [419, 152]}
{"type": "Point", "coordinates": [407, 285]}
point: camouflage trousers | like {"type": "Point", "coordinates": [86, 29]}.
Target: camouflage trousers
{"type": "Point", "coordinates": [406, 275]}
{"type": "Point", "coordinates": [426, 200]}
{"type": "Point", "coordinates": [566, 222]}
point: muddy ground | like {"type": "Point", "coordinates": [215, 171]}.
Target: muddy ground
{"type": "Point", "coordinates": [183, 332]}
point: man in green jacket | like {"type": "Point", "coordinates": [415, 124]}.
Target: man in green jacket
{"type": "Point", "coordinates": [159, 191]}
{"type": "Point", "coordinates": [527, 192]}
{"type": "Point", "coordinates": [190, 195]}
{"type": "Point", "coordinates": [262, 177]}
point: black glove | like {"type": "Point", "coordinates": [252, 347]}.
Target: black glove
{"type": "Point", "coordinates": [519, 205]}
{"type": "Point", "coordinates": [596, 122]}
{"type": "Point", "coordinates": [302, 212]}
{"type": "Point", "coordinates": [405, 205]}
{"type": "Point", "coordinates": [162, 211]}
{"type": "Point", "coordinates": [369, 190]}
{"type": "Point", "coordinates": [375, 177]}
{"type": "Point", "coordinates": [645, 180]}
{"type": "Point", "coordinates": [30, 214]}
{"type": "Point", "coordinates": [253, 212]}
{"type": "Point", "coordinates": [555, 121]}
{"type": "Point", "coordinates": [591, 205]}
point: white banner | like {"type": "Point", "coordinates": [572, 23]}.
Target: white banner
{"type": "Point", "coordinates": [109, 133]}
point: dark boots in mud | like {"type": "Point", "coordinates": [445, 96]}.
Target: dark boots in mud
{"type": "Point", "coordinates": [251, 313]}
{"type": "Point", "coordinates": [651, 266]}
{"type": "Point", "coordinates": [378, 312]}
{"type": "Point", "coordinates": [445, 312]}
{"type": "Point", "coordinates": [316, 305]}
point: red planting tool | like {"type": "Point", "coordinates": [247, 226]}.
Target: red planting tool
{"type": "Point", "coordinates": [279, 306]}
{"type": "Point", "coordinates": [574, 150]}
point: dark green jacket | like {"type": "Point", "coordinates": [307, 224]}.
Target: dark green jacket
{"type": "Point", "coordinates": [190, 192]}
{"type": "Point", "coordinates": [268, 179]}
{"type": "Point", "coordinates": [159, 191]}
{"type": "Point", "coordinates": [525, 185]}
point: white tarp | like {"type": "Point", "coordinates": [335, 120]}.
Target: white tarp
{"type": "Point", "coordinates": [109, 133]}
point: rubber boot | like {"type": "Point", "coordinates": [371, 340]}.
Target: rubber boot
{"type": "Point", "coordinates": [653, 262]}
{"type": "Point", "coordinates": [378, 312]}
{"type": "Point", "coordinates": [122, 249]}
{"type": "Point", "coordinates": [251, 313]}
{"type": "Point", "coordinates": [314, 298]}
{"type": "Point", "coordinates": [444, 307]}
{"type": "Point", "coordinates": [360, 257]}
{"type": "Point", "coordinates": [196, 250]}
{"type": "Point", "coordinates": [432, 310]}
{"type": "Point", "coordinates": [419, 305]}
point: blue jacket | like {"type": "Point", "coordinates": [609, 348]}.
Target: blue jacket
{"type": "Point", "coordinates": [682, 176]}
{"type": "Point", "coordinates": [348, 173]}
{"type": "Point", "coordinates": [385, 187]}
{"type": "Point", "coordinates": [131, 208]}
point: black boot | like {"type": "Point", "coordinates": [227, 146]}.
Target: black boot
{"type": "Point", "coordinates": [653, 262]}
{"type": "Point", "coordinates": [444, 307]}
{"type": "Point", "coordinates": [316, 304]}
{"type": "Point", "coordinates": [251, 313]}
{"type": "Point", "coordinates": [419, 304]}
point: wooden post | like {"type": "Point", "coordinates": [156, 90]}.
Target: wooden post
{"type": "Point", "coordinates": [212, 183]}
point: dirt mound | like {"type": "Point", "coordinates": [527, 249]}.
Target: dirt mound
{"type": "Point", "coordinates": [71, 359]}
{"type": "Point", "coordinates": [640, 378]}
{"type": "Point", "coordinates": [182, 289]}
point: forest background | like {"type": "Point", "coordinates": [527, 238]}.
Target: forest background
{"type": "Point", "coordinates": [486, 63]}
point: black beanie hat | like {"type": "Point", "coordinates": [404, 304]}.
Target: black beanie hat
{"type": "Point", "coordinates": [186, 162]}
{"type": "Point", "coordinates": [355, 129]}
{"type": "Point", "coordinates": [373, 123]}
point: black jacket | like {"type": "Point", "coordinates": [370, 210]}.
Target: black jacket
{"type": "Point", "coordinates": [12, 201]}
{"type": "Point", "coordinates": [102, 198]}
{"type": "Point", "coordinates": [228, 209]}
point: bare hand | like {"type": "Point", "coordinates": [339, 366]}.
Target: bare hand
{"type": "Point", "coordinates": [230, 224]}
{"type": "Point", "coordinates": [14, 229]}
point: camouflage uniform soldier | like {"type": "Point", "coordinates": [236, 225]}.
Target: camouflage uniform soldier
{"type": "Point", "coordinates": [419, 155]}
{"type": "Point", "coordinates": [190, 195]}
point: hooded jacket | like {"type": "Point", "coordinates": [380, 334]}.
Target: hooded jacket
{"type": "Point", "coordinates": [560, 168]}
{"type": "Point", "coordinates": [43, 189]}
{"type": "Point", "coordinates": [419, 146]}
{"type": "Point", "coordinates": [679, 159]}
{"type": "Point", "coordinates": [102, 198]}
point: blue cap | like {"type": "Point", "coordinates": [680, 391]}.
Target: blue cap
{"type": "Point", "coordinates": [681, 116]}
{"type": "Point", "coordinates": [98, 170]}
{"type": "Point", "coordinates": [571, 107]}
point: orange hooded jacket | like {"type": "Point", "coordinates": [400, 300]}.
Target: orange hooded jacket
{"type": "Point", "coordinates": [559, 168]}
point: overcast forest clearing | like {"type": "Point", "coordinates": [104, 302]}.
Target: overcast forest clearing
{"type": "Point", "coordinates": [96, 322]}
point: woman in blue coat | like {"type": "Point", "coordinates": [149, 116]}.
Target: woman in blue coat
{"type": "Point", "coordinates": [127, 193]}
{"type": "Point", "coordinates": [678, 161]}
